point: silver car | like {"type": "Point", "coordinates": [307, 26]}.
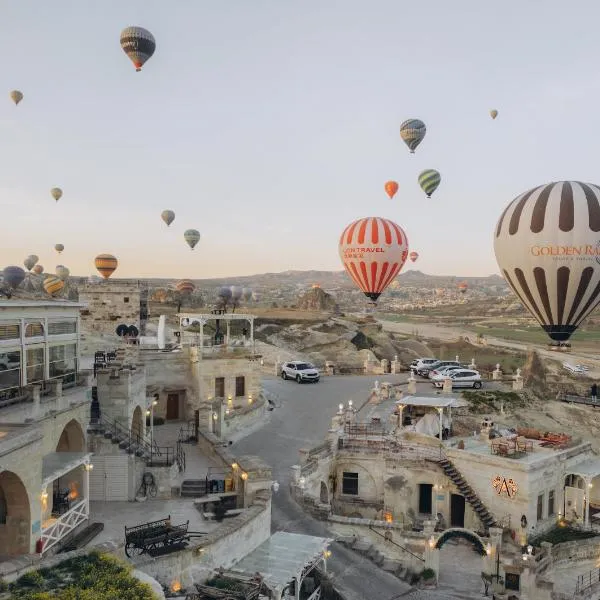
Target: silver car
{"type": "Point", "coordinates": [462, 378]}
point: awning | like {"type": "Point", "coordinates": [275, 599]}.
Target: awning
{"type": "Point", "coordinates": [589, 468]}
{"type": "Point", "coordinates": [432, 402]}
{"type": "Point", "coordinates": [57, 464]}
{"type": "Point", "coordinates": [283, 556]}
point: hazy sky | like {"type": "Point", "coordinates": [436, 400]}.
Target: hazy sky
{"type": "Point", "coordinates": [269, 125]}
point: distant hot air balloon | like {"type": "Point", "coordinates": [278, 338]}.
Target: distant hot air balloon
{"type": "Point", "coordinates": [168, 216]}
{"type": "Point", "coordinates": [247, 294]}
{"type": "Point", "coordinates": [391, 187]}
{"type": "Point", "coordinates": [373, 251]}
{"type": "Point", "coordinates": [462, 287]}
{"type": "Point", "coordinates": [30, 261]}
{"type": "Point", "coordinates": [236, 293]}
{"type": "Point", "coordinates": [429, 180]}
{"type": "Point", "coordinates": [192, 237]}
{"type": "Point", "coordinates": [56, 193]}
{"type": "Point", "coordinates": [185, 287]}
{"type": "Point", "coordinates": [413, 256]}
{"type": "Point", "coordinates": [412, 133]}
{"type": "Point", "coordinates": [59, 248]}
{"type": "Point", "coordinates": [224, 296]}
{"type": "Point", "coordinates": [53, 285]}
{"type": "Point", "coordinates": [62, 272]}
{"type": "Point", "coordinates": [493, 113]}
{"type": "Point", "coordinates": [13, 276]}
{"type": "Point", "coordinates": [16, 96]}
{"type": "Point", "coordinates": [548, 249]}
{"type": "Point", "coordinates": [139, 45]}
{"type": "Point", "coordinates": [106, 264]}
{"type": "Point", "coordinates": [38, 269]}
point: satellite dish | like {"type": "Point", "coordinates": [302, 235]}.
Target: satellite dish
{"type": "Point", "coordinates": [132, 331]}
{"type": "Point", "coordinates": [122, 330]}
{"type": "Point", "coordinates": [161, 332]}
{"type": "Point", "coordinates": [185, 322]}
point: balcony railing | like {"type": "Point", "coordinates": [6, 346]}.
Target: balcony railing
{"type": "Point", "coordinates": [64, 524]}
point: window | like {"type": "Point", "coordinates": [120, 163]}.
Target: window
{"type": "Point", "coordinates": [540, 507]}
{"type": "Point", "coordinates": [240, 386]}
{"type": "Point", "coordinates": [63, 360]}
{"type": "Point", "coordinates": [551, 503]}
{"type": "Point", "coordinates": [219, 387]}
{"type": "Point", "coordinates": [3, 507]}
{"type": "Point", "coordinates": [10, 331]}
{"type": "Point", "coordinates": [34, 330]}
{"type": "Point", "coordinates": [35, 365]}
{"type": "Point", "coordinates": [126, 299]}
{"type": "Point", "coordinates": [10, 369]}
{"type": "Point", "coordinates": [350, 484]}
{"type": "Point", "coordinates": [62, 327]}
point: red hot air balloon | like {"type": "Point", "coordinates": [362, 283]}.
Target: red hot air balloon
{"type": "Point", "coordinates": [391, 187]}
{"type": "Point", "coordinates": [373, 251]}
{"type": "Point", "coordinates": [413, 256]}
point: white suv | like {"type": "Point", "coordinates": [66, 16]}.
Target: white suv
{"type": "Point", "coordinates": [300, 371]}
{"type": "Point", "coordinates": [461, 378]}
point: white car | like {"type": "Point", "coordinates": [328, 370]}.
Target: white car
{"type": "Point", "coordinates": [462, 378]}
{"type": "Point", "coordinates": [575, 369]}
{"type": "Point", "coordinates": [300, 371]}
{"type": "Point", "coordinates": [8, 362]}
{"type": "Point", "coordinates": [420, 363]}
{"type": "Point", "coordinates": [443, 372]}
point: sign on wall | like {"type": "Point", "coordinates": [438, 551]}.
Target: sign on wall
{"type": "Point", "coordinates": [504, 487]}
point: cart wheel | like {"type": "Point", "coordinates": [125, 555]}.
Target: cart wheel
{"type": "Point", "coordinates": [131, 550]}
{"type": "Point", "coordinates": [153, 490]}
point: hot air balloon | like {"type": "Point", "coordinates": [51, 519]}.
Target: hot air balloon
{"type": "Point", "coordinates": [413, 256]}
{"type": "Point", "coordinates": [224, 296]}
{"type": "Point", "coordinates": [391, 187]}
{"type": "Point", "coordinates": [247, 294]}
{"type": "Point", "coordinates": [59, 248]}
{"type": "Point", "coordinates": [493, 113]}
{"type": "Point", "coordinates": [30, 261]}
{"type": "Point", "coordinates": [373, 251]}
{"type": "Point", "coordinates": [462, 287]}
{"type": "Point", "coordinates": [139, 45]}
{"type": "Point", "coordinates": [56, 193]}
{"type": "Point", "coordinates": [38, 269]}
{"type": "Point", "coordinates": [548, 249]}
{"type": "Point", "coordinates": [412, 133]}
{"type": "Point", "coordinates": [185, 287]}
{"type": "Point", "coordinates": [168, 216]}
{"type": "Point", "coordinates": [16, 96]}
{"type": "Point", "coordinates": [106, 264]}
{"type": "Point", "coordinates": [62, 272]}
{"type": "Point", "coordinates": [53, 285]}
{"type": "Point", "coordinates": [192, 237]}
{"type": "Point", "coordinates": [429, 180]}
{"type": "Point", "coordinates": [13, 276]}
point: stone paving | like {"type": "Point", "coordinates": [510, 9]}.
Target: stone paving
{"type": "Point", "coordinates": [565, 575]}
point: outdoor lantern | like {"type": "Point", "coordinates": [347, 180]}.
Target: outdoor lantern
{"type": "Point", "coordinates": [523, 521]}
{"type": "Point", "coordinates": [275, 486]}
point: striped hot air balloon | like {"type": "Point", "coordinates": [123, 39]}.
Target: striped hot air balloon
{"type": "Point", "coordinates": [185, 287]}
{"type": "Point", "coordinates": [56, 193]}
{"type": "Point", "coordinates": [547, 245]}
{"type": "Point", "coordinates": [413, 256]}
{"type": "Point", "coordinates": [38, 269]}
{"type": "Point", "coordinates": [30, 261]}
{"type": "Point", "coordinates": [429, 180]}
{"type": "Point", "coordinates": [168, 216]}
{"type": "Point", "coordinates": [192, 237]}
{"type": "Point", "coordinates": [373, 251]}
{"type": "Point", "coordinates": [391, 187]}
{"type": "Point", "coordinates": [106, 264]}
{"type": "Point", "coordinates": [16, 96]}
{"type": "Point", "coordinates": [412, 132]}
{"type": "Point", "coordinates": [53, 285]}
{"type": "Point", "coordinates": [139, 45]}
{"type": "Point", "coordinates": [493, 113]}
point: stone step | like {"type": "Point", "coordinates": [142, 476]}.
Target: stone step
{"type": "Point", "coordinates": [402, 572]}
{"type": "Point", "coordinates": [362, 546]}
{"type": "Point", "coordinates": [391, 565]}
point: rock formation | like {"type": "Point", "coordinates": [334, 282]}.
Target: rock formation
{"type": "Point", "coordinates": [316, 299]}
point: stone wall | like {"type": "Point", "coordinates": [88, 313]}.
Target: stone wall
{"type": "Point", "coordinates": [244, 417]}
{"type": "Point", "coordinates": [577, 550]}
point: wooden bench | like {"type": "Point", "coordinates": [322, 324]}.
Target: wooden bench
{"type": "Point", "coordinates": [232, 512]}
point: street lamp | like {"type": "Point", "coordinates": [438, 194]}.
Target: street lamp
{"type": "Point", "coordinates": [150, 413]}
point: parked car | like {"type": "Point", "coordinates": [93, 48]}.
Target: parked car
{"type": "Point", "coordinates": [300, 371]}
{"type": "Point", "coordinates": [439, 364]}
{"type": "Point", "coordinates": [462, 378]}
{"type": "Point", "coordinates": [9, 361]}
{"type": "Point", "coordinates": [443, 372]}
{"type": "Point", "coordinates": [421, 363]}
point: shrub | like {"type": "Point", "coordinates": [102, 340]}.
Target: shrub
{"type": "Point", "coordinates": [428, 574]}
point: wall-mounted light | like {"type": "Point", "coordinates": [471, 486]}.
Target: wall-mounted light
{"type": "Point", "coordinates": [302, 482]}
{"type": "Point", "coordinates": [230, 400]}
{"type": "Point", "coordinates": [215, 416]}
{"type": "Point", "coordinates": [249, 399]}
{"type": "Point", "coordinates": [341, 407]}
{"type": "Point", "coordinates": [88, 467]}
{"type": "Point", "coordinates": [327, 553]}
{"type": "Point", "coordinates": [234, 466]}
{"type": "Point", "coordinates": [349, 403]}
{"type": "Point", "coordinates": [488, 549]}
{"type": "Point", "coordinates": [154, 402]}
{"type": "Point", "coordinates": [44, 496]}
{"type": "Point", "coordinates": [244, 476]}
{"type": "Point", "coordinates": [590, 485]}
{"type": "Point", "coordinates": [227, 411]}
{"type": "Point", "coordinates": [432, 542]}
{"type": "Point", "coordinates": [530, 550]}
{"type": "Point", "coordinates": [148, 413]}
{"type": "Point", "coordinates": [275, 486]}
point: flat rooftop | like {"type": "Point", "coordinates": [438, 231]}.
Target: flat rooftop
{"type": "Point", "coordinates": [18, 303]}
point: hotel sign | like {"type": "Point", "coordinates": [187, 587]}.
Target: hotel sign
{"type": "Point", "coordinates": [504, 487]}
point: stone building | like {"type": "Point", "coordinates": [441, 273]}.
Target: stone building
{"type": "Point", "coordinates": [111, 303]}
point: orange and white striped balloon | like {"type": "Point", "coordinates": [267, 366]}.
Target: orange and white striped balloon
{"type": "Point", "coordinates": [373, 251]}
{"type": "Point", "coordinates": [413, 256]}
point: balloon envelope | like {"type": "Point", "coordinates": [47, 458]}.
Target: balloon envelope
{"type": "Point", "coordinates": [493, 113]}
{"type": "Point", "coordinates": [413, 256]}
{"type": "Point", "coordinates": [139, 45]}
{"type": "Point", "coordinates": [59, 248]}
{"type": "Point", "coordinates": [373, 251]}
{"type": "Point", "coordinates": [412, 132]}
{"type": "Point", "coordinates": [236, 293]}
{"type": "Point", "coordinates": [13, 276]}
{"type": "Point", "coordinates": [247, 294]}
{"type": "Point", "coordinates": [56, 193]}
{"type": "Point", "coordinates": [185, 287]}
{"type": "Point", "coordinates": [547, 244]}
{"type": "Point", "coordinates": [53, 285]}
{"type": "Point", "coordinates": [192, 237]}
{"type": "Point", "coordinates": [38, 269]}
{"type": "Point", "coordinates": [429, 180]}
{"type": "Point", "coordinates": [391, 187]}
{"type": "Point", "coordinates": [30, 261]}
{"type": "Point", "coordinates": [16, 96]}
{"type": "Point", "coordinates": [168, 216]}
{"type": "Point", "coordinates": [106, 264]}
{"type": "Point", "coordinates": [62, 272]}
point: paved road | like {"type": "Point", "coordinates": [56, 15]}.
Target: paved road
{"type": "Point", "coordinates": [301, 421]}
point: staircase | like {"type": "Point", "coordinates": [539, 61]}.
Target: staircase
{"type": "Point", "coordinates": [467, 491]}
{"type": "Point", "coordinates": [193, 488]}
{"type": "Point", "coordinates": [132, 444]}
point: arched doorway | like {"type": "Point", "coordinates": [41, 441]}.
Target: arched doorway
{"type": "Point", "coordinates": [72, 438]}
{"type": "Point", "coordinates": [324, 493]}
{"type": "Point", "coordinates": [574, 498]}
{"type": "Point", "coordinates": [457, 533]}
{"type": "Point", "coordinates": [137, 423]}
{"type": "Point", "coordinates": [15, 516]}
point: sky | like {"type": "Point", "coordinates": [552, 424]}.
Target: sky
{"type": "Point", "coordinates": [270, 125]}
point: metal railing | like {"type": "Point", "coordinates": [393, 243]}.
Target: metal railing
{"type": "Point", "coordinates": [180, 457]}
{"type": "Point", "coordinates": [416, 556]}
{"type": "Point", "coordinates": [586, 581]}
{"type": "Point", "coordinates": [575, 399]}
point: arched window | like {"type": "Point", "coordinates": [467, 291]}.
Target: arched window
{"type": "Point", "coordinates": [3, 507]}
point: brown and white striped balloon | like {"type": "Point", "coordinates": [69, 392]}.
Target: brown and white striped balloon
{"type": "Point", "coordinates": [547, 244]}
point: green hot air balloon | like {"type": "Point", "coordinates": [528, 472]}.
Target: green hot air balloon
{"type": "Point", "coordinates": [429, 180]}
{"type": "Point", "coordinates": [192, 237]}
{"type": "Point", "coordinates": [412, 132]}
{"type": "Point", "coordinates": [168, 216]}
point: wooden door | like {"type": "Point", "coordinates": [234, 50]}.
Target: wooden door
{"type": "Point", "coordinates": [172, 407]}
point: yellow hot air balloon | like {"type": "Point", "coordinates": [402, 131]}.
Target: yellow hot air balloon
{"type": "Point", "coordinates": [106, 264]}
{"type": "Point", "coordinates": [493, 113]}
{"type": "Point", "coordinates": [16, 96]}
{"type": "Point", "coordinates": [53, 285]}
{"type": "Point", "coordinates": [56, 193]}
